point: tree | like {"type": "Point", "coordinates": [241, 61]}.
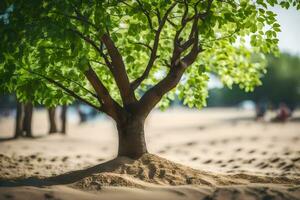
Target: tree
{"type": "Point", "coordinates": [123, 57]}
{"type": "Point", "coordinates": [52, 121]}
{"type": "Point", "coordinates": [23, 120]}
{"type": "Point", "coordinates": [280, 85]}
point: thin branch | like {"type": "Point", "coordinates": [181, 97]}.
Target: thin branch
{"type": "Point", "coordinates": [96, 61]}
{"type": "Point", "coordinates": [68, 91]}
{"type": "Point", "coordinates": [85, 38]}
{"type": "Point", "coordinates": [154, 94]}
{"type": "Point", "coordinates": [81, 86]}
{"type": "Point", "coordinates": [81, 19]}
{"type": "Point", "coordinates": [153, 55]}
{"type": "Point", "coordinates": [143, 44]}
{"type": "Point", "coordinates": [146, 13]}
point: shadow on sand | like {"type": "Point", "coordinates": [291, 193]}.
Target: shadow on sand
{"type": "Point", "coordinates": [18, 138]}
{"type": "Point", "coordinates": [69, 177]}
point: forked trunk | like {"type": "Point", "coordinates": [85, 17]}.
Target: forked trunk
{"type": "Point", "coordinates": [19, 120]}
{"type": "Point", "coordinates": [53, 128]}
{"type": "Point", "coordinates": [28, 108]}
{"type": "Point", "coordinates": [132, 139]}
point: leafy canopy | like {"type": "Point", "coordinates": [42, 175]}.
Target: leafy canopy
{"type": "Point", "coordinates": [47, 47]}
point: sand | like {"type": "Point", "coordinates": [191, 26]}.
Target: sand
{"type": "Point", "coordinates": [212, 154]}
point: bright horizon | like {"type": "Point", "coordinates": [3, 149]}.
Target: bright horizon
{"type": "Point", "coordinates": [290, 29]}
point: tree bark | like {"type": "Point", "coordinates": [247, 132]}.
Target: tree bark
{"type": "Point", "coordinates": [52, 121]}
{"type": "Point", "coordinates": [28, 108]}
{"type": "Point", "coordinates": [63, 117]}
{"type": "Point", "coordinates": [19, 120]}
{"type": "Point", "coordinates": [132, 139]}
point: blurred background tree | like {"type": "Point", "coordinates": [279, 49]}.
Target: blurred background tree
{"type": "Point", "coordinates": [280, 85]}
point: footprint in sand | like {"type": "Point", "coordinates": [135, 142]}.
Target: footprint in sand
{"type": "Point", "coordinates": [191, 143]}
{"type": "Point", "coordinates": [250, 161]}
{"type": "Point", "coordinates": [48, 196]}
{"type": "Point", "coordinates": [281, 164]}
{"type": "Point", "coordinates": [274, 160]}
{"type": "Point", "coordinates": [251, 151]}
{"type": "Point", "coordinates": [194, 158]}
{"type": "Point", "coordinates": [296, 159]}
{"type": "Point", "coordinates": [264, 153]}
{"type": "Point", "coordinates": [207, 161]}
{"type": "Point", "coordinates": [8, 196]}
{"type": "Point", "coordinates": [253, 139]}
{"type": "Point", "coordinates": [65, 158]}
{"type": "Point", "coordinates": [288, 167]}
{"type": "Point", "coordinates": [264, 166]}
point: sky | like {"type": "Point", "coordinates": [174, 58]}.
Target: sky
{"type": "Point", "coordinates": [289, 37]}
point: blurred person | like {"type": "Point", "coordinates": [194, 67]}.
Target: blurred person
{"type": "Point", "coordinates": [261, 109]}
{"type": "Point", "coordinates": [283, 113]}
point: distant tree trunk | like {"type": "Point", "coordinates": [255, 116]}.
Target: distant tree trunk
{"type": "Point", "coordinates": [82, 115]}
{"type": "Point", "coordinates": [52, 121]}
{"type": "Point", "coordinates": [28, 108]}
{"type": "Point", "coordinates": [63, 117]}
{"type": "Point", "coordinates": [131, 138]}
{"type": "Point", "coordinates": [19, 120]}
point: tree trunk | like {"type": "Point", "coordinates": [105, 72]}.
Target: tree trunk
{"type": "Point", "coordinates": [63, 117]}
{"type": "Point", "coordinates": [53, 128]}
{"type": "Point", "coordinates": [19, 120]}
{"type": "Point", "coordinates": [28, 108]}
{"type": "Point", "coordinates": [132, 139]}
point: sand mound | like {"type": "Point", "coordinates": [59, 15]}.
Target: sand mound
{"type": "Point", "coordinates": [152, 169]}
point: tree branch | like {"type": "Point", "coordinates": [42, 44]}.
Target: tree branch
{"type": "Point", "coordinates": [68, 91]}
{"type": "Point", "coordinates": [81, 86]}
{"type": "Point", "coordinates": [119, 71]}
{"type": "Point", "coordinates": [153, 55]}
{"type": "Point", "coordinates": [86, 39]}
{"type": "Point", "coordinates": [142, 44]}
{"type": "Point", "coordinates": [154, 95]}
{"type": "Point", "coordinates": [79, 18]}
{"type": "Point", "coordinates": [109, 105]}
{"type": "Point", "coordinates": [178, 65]}
{"type": "Point", "coordinates": [146, 13]}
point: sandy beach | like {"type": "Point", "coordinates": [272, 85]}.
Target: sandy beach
{"type": "Point", "coordinates": [209, 154]}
